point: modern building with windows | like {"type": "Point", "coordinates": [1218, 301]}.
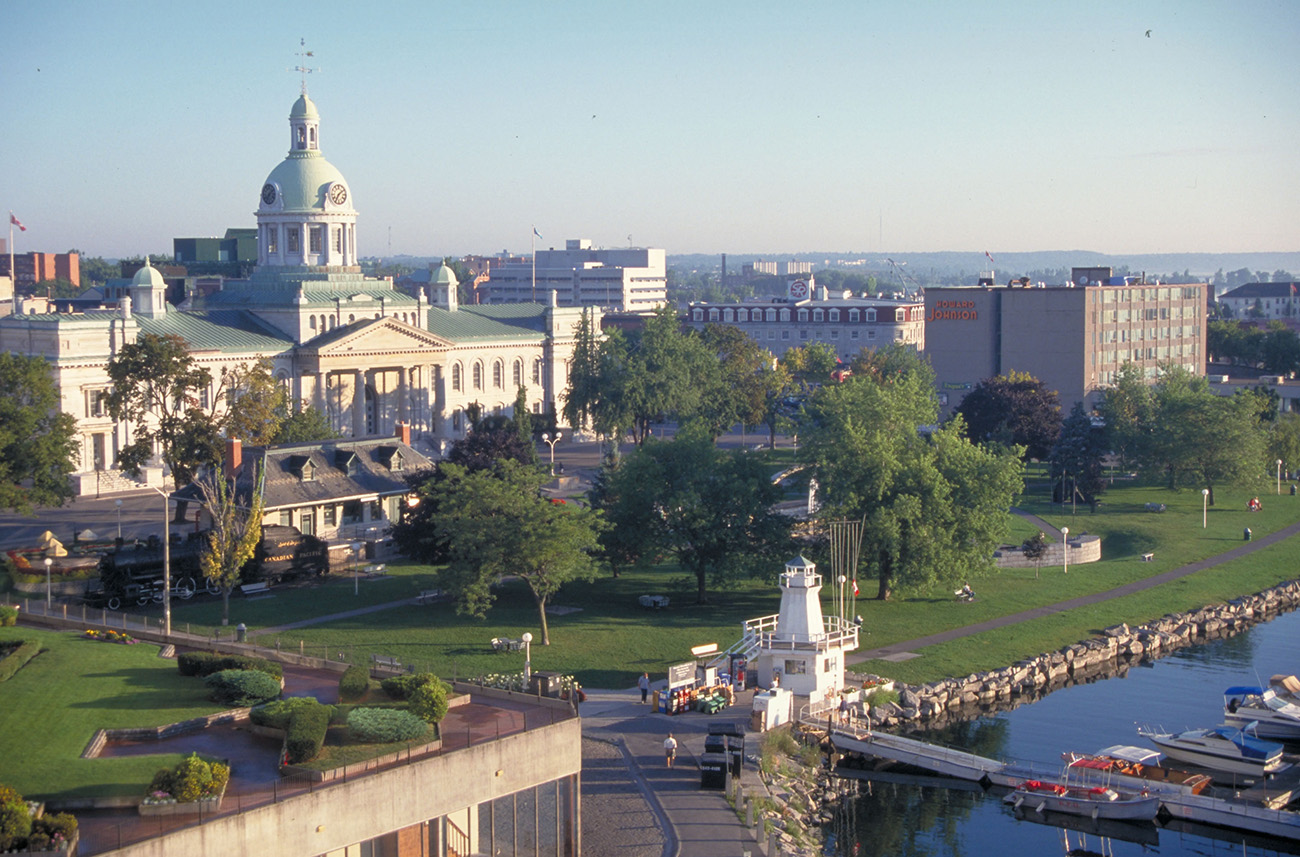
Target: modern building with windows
{"type": "Point", "coordinates": [1074, 337]}
{"type": "Point", "coordinates": [627, 279]}
{"type": "Point", "coordinates": [809, 313]}
{"type": "Point", "coordinates": [357, 349]}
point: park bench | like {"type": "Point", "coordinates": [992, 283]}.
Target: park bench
{"type": "Point", "coordinates": [259, 588]}
{"type": "Point", "coordinates": [506, 644]}
{"type": "Point", "coordinates": [1147, 557]}
{"type": "Point", "coordinates": [427, 595]}
{"type": "Point", "coordinates": [653, 602]}
{"type": "Point", "coordinates": [386, 662]}
{"type": "Point", "coordinates": [1155, 507]}
{"type": "Point", "coordinates": [376, 570]}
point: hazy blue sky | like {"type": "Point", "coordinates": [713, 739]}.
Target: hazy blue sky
{"type": "Point", "coordinates": [698, 127]}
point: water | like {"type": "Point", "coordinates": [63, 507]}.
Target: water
{"type": "Point", "coordinates": [1184, 690]}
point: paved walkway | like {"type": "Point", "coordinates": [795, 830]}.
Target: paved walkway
{"type": "Point", "coordinates": [905, 646]}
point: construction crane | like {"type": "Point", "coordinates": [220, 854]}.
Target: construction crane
{"type": "Point", "coordinates": [904, 278]}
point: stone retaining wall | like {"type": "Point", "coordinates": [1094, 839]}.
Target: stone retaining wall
{"type": "Point", "coordinates": [1083, 549]}
{"type": "Point", "coordinates": [1113, 653]}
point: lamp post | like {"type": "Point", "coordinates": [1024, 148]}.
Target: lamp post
{"type": "Point", "coordinates": [167, 562]}
{"type": "Point", "coordinates": [527, 640]}
{"type": "Point", "coordinates": [118, 504]}
{"type": "Point", "coordinates": [1065, 543]}
{"type": "Point", "coordinates": [1205, 507]}
{"type": "Point", "coordinates": [551, 440]}
{"type": "Point", "coordinates": [356, 574]}
{"type": "Point", "coordinates": [48, 562]}
{"type": "Point", "coordinates": [1279, 477]}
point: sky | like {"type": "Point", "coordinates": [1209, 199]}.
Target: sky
{"type": "Point", "coordinates": [874, 126]}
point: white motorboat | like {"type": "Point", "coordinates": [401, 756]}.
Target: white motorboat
{"type": "Point", "coordinates": [1088, 801]}
{"type": "Point", "coordinates": [1274, 715]}
{"type": "Point", "coordinates": [1222, 748]}
{"type": "Point", "coordinates": [1133, 768]}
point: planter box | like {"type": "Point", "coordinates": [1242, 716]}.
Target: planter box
{"type": "Point", "coordinates": [195, 807]}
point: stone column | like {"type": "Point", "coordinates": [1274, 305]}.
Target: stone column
{"type": "Point", "coordinates": [403, 394]}
{"type": "Point", "coordinates": [358, 402]}
{"type": "Point", "coordinates": [318, 392]}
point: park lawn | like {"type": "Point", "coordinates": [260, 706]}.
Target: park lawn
{"type": "Point", "coordinates": [50, 709]}
{"type": "Point", "coordinates": [1001, 647]}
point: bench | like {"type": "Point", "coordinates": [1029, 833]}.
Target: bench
{"type": "Point", "coordinates": [386, 661]}
{"type": "Point", "coordinates": [506, 644]}
{"type": "Point", "coordinates": [375, 570]}
{"type": "Point", "coordinates": [1155, 507]}
{"type": "Point", "coordinates": [427, 595]}
{"type": "Point", "coordinates": [653, 602]}
{"type": "Point", "coordinates": [1147, 557]}
{"type": "Point", "coordinates": [259, 588]}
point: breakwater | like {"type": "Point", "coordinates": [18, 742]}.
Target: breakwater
{"type": "Point", "coordinates": [1112, 653]}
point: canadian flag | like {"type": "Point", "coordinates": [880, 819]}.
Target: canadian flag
{"type": "Point", "coordinates": [16, 222]}
{"type": "Point", "coordinates": [855, 587]}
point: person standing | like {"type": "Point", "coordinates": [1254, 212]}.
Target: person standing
{"type": "Point", "coordinates": [670, 749]}
{"type": "Point", "coordinates": [644, 683]}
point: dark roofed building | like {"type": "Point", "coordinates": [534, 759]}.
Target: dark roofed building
{"type": "Point", "coordinates": [1263, 300]}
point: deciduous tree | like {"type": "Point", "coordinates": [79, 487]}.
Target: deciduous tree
{"type": "Point", "coordinates": [38, 442]}
{"type": "Point", "coordinates": [236, 530]}
{"type": "Point", "coordinates": [307, 425]}
{"type": "Point", "coordinates": [1015, 408]}
{"type": "Point", "coordinates": [1079, 453]}
{"type": "Point", "coordinates": [255, 403]}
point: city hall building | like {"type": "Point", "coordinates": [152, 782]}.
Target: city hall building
{"type": "Point", "coordinates": [1073, 337]}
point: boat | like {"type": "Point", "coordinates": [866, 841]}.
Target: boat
{"type": "Point", "coordinates": [1275, 716]}
{"type": "Point", "coordinates": [1088, 801]}
{"type": "Point", "coordinates": [1133, 767]}
{"type": "Point", "coordinates": [1222, 748]}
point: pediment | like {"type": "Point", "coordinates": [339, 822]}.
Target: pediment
{"type": "Point", "coordinates": [378, 336]}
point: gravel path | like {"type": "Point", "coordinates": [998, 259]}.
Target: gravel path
{"type": "Point", "coordinates": [616, 821]}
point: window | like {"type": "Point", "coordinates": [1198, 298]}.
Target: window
{"type": "Point", "coordinates": [803, 315]}
{"type": "Point", "coordinates": [818, 315]}
{"type": "Point", "coordinates": [697, 314]}
{"type": "Point", "coordinates": [796, 667]}
{"type": "Point", "coordinates": [338, 239]}
{"type": "Point", "coordinates": [286, 518]}
{"type": "Point", "coordinates": [854, 316]}
{"type": "Point", "coordinates": [803, 334]}
{"type": "Point", "coordinates": [456, 381]}
{"type": "Point", "coordinates": [307, 523]}
{"type": "Point", "coordinates": [785, 315]}
{"type": "Point", "coordinates": [537, 371]}
{"type": "Point", "coordinates": [292, 236]}
{"type": "Point", "coordinates": [498, 375]}
{"type": "Point", "coordinates": [517, 375]}
{"type": "Point", "coordinates": [314, 237]}
{"type": "Point", "coordinates": [455, 419]}
{"type": "Point", "coordinates": [871, 314]}
{"type": "Point", "coordinates": [900, 315]}
{"type": "Point", "coordinates": [271, 233]}
{"type": "Point", "coordinates": [95, 407]}
{"type": "Point", "coordinates": [770, 314]}
{"type": "Point", "coordinates": [713, 314]}
{"type": "Point", "coordinates": [728, 315]}
{"type": "Point", "coordinates": [331, 516]}
{"type": "Point", "coordinates": [835, 315]}
{"type": "Point", "coordinates": [785, 334]}
{"type": "Point", "coordinates": [302, 138]}
{"type": "Point", "coordinates": [478, 376]}
{"type": "Point", "coordinates": [311, 322]}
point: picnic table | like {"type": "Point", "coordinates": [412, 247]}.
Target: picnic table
{"type": "Point", "coordinates": [653, 602]}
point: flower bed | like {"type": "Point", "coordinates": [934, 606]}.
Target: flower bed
{"type": "Point", "coordinates": [111, 636]}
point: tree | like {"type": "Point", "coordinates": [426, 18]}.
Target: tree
{"type": "Point", "coordinates": [57, 288]}
{"type": "Point", "coordinates": [523, 420]}
{"type": "Point", "coordinates": [1014, 408]}
{"type": "Point", "coordinates": [156, 389]}
{"type": "Point", "coordinates": [1079, 453]}
{"type": "Point", "coordinates": [255, 403]}
{"type": "Point", "coordinates": [934, 506]}
{"type": "Point", "coordinates": [667, 374]}
{"type": "Point", "coordinates": [1284, 440]}
{"type": "Point", "coordinates": [741, 384]}
{"type": "Point", "coordinates": [38, 442]}
{"type": "Point", "coordinates": [812, 363]}
{"type": "Point", "coordinates": [235, 531]}
{"type": "Point", "coordinates": [776, 385]}
{"type": "Point", "coordinates": [1035, 548]}
{"type": "Point", "coordinates": [711, 509]}
{"type": "Point", "coordinates": [496, 524]}
{"type": "Point", "coordinates": [307, 425]}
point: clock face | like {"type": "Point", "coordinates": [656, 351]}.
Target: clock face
{"type": "Point", "coordinates": [268, 193]}
{"type": "Point", "coordinates": [338, 194]}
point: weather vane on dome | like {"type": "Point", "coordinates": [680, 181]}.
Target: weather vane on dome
{"type": "Point", "coordinates": [302, 68]}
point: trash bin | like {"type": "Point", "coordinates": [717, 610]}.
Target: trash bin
{"type": "Point", "coordinates": [1245, 534]}
{"type": "Point", "coordinates": [1292, 490]}
{"type": "Point", "coordinates": [713, 771]}
{"type": "Point", "coordinates": [241, 633]}
{"type": "Point", "coordinates": [715, 744]}
{"type": "Point", "coordinates": [736, 754]}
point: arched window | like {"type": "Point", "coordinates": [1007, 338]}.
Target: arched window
{"type": "Point", "coordinates": [478, 376]}
{"type": "Point", "coordinates": [518, 373]}
{"type": "Point", "coordinates": [331, 322]}
{"type": "Point", "coordinates": [537, 371]}
{"type": "Point", "coordinates": [312, 322]}
{"type": "Point", "coordinates": [456, 380]}
{"type": "Point", "coordinates": [498, 375]}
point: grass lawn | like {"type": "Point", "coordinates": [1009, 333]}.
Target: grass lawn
{"type": "Point", "coordinates": [52, 706]}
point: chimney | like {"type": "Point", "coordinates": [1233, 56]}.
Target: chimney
{"type": "Point", "coordinates": [404, 433]}
{"type": "Point", "coordinates": [234, 456]}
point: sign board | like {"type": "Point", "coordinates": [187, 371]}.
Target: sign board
{"type": "Point", "coordinates": [680, 675]}
{"type": "Point", "coordinates": [706, 649]}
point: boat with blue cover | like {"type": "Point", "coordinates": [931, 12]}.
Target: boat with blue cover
{"type": "Point", "coordinates": [1275, 716]}
{"type": "Point", "coordinates": [1223, 748]}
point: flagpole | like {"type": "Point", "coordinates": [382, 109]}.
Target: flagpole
{"type": "Point", "coordinates": [532, 238]}
{"type": "Point", "coordinates": [13, 275]}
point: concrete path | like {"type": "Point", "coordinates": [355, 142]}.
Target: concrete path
{"type": "Point", "coordinates": [696, 822]}
{"type": "Point", "coordinates": [331, 617]}
{"type": "Point", "coordinates": [1241, 550]}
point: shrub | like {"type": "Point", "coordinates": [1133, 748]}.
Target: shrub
{"type": "Point", "coordinates": [18, 658]}
{"type": "Point", "coordinates": [207, 663]}
{"type": "Point", "coordinates": [354, 683]}
{"type": "Point", "coordinates": [192, 779]}
{"type": "Point", "coordinates": [15, 823]}
{"type": "Point", "coordinates": [403, 686]}
{"type": "Point", "coordinates": [306, 733]}
{"type": "Point", "coordinates": [429, 701]}
{"type": "Point", "coordinates": [242, 687]}
{"type": "Point", "coordinates": [8, 615]}
{"type": "Point", "coordinates": [278, 713]}
{"type": "Point", "coordinates": [385, 725]}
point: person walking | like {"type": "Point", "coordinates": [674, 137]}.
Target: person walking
{"type": "Point", "coordinates": [670, 749]}
{"type": "Point", "coordinates": [644, 683]}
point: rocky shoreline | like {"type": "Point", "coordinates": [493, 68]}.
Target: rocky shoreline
{"type": "Point", "coordinates": [1119, 648]}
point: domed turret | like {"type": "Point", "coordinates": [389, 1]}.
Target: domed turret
{"type": "Point", "coordinates": [149, 291]}
{"type": "Point", "coordinates": [444, 288]}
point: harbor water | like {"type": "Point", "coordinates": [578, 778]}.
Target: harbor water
{"type": "Point", "coordinates": [915, 817]}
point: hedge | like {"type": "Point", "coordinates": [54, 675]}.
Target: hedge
{"type": "Point", "coordinates": [403, 686]}
{"type": "Point", "coordinates": [385, 725]}
{"type": "Point", "coordinates": [8, 615]}
{"type": "Point", "coordinates": [242, 687]}
{"type": "Point", "coordinates": [305, 736]}
{"type": "Point", "coordinates": [207, 663]}
{"type": "Point", "coordinates": [279, 713]}
{"type": "Point", "coordinates": [18, 658]}
{"type": "Point", "coordinates": [354, 683]}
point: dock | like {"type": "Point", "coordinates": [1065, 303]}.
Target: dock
{"type": "Point", "coordinates": [1258, 809]}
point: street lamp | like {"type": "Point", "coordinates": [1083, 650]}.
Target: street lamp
{"type": "Point", "coordinates": [527, 640]}
{"type": "Point", "coordinates": [551, 440]}
{"type": "Point", "coordinates": [1065, 542]}
{"type": "Point", "coordinates": [167, 561]}
{"type": "Point", "coordinates": [1279, 477]}
{"type": "Point", "coordinates": [48, 562]}
{"type": "Point", "coordinates": [356, 574]}
{"type": "Point", "coordinates": [1205, 507]}
{"type": "Point", "coordinates": [118, 504]}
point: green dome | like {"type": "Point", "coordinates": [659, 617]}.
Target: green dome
{"type": "Point", "coordinates": [303, 108]}
{"type": "Point", "coordinates": [303, 178]}
{"type": "Point", "coordinates": [444, 276]}
{"type": "Point", "coordinates": [148, 276]}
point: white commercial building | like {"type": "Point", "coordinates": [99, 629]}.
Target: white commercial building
{"type": "Point", "coordinates": [628, 279]}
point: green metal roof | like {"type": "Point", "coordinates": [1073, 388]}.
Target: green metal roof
{"type": "Point", "coordinates": [217, 330]}
{"type": "Point", "coordinates": [519, 321]}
